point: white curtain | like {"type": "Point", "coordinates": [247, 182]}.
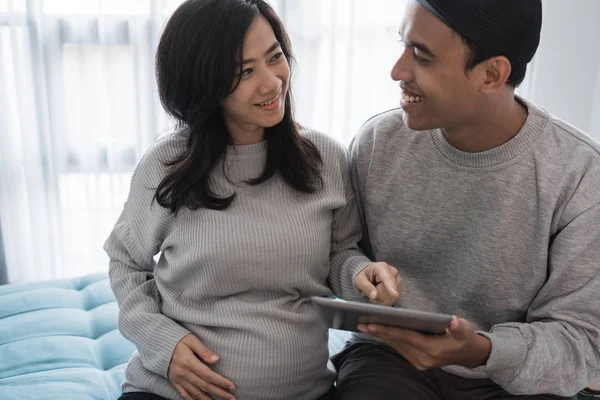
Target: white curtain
{"type": "Point", "coordinates": [345, 50]}
{"type": "Point", "coordinates": [78, 104]}
{"type": "Point", "coordinates": [79, 108]}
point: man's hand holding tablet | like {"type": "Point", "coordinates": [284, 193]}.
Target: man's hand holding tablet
{"type": "Point", "coordinates": [426, 340]}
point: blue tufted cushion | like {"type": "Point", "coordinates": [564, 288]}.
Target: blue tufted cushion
{"type": "Point", "coordinates": [59, 341]}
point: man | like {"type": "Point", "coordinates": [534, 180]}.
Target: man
{"type": "Point", "coordinates": [490, 209]}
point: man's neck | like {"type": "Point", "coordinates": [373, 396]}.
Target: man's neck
{"type": "Point", "coordinates": [500, 124]}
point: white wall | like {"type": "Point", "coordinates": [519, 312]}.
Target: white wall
{"type": "Point", "coordinates": [566, 69]}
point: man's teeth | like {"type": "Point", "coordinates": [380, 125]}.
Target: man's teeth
{"type": "Point", "coordinates": [409, 98]}
{"type": "Point", "coordinates": [266, 103]}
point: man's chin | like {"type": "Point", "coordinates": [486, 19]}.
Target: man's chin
{"type": "Point", "coordinates": [414, 123]}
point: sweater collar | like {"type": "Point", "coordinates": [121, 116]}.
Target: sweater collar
{"type": "Point", "coordinates": [534, 125]}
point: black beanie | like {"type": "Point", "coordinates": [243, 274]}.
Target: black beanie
{"type": "Point", "coordinates": [509, 28]}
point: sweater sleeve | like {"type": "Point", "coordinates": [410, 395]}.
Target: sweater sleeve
{"type": "Point", "coordinates": [136, 238]}
{"type": "Point", "coordinates": [360, 151]}
{"type": "Point", "coordinates": [347, 259]}
{"type": "Point", "coordinates": [558, 350]}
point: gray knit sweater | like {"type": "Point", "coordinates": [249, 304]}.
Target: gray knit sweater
{"type": "Point", "coordinates": [507, 238]}
{"type": "Point", "coordinates": [239, 279]}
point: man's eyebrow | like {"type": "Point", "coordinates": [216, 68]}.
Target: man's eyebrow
{"type": "Point", "coordinates": [418, 45]}
{"type": "Point", "coordinates": [273, 47]}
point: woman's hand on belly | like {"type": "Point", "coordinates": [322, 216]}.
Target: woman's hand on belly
{"type": "Point", "coordinates": [194, 379]}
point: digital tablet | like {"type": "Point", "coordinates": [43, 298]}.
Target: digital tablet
{"type": "Point", "coordinates": [346, 315]}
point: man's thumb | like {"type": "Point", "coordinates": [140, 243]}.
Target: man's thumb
{"type": "Point", "coordinates": [457, 328]}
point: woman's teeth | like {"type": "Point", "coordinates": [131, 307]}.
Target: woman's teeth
{"type": "Point", "coordinates": [266, 103]}
{"type": "Point", "coordinates": [411, 98]}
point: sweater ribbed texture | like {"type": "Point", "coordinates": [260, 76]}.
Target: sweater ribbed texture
{"type": "Point", "coordinates": [239, 279]}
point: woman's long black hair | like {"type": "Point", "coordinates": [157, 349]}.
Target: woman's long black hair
{"type": "Point", "coordinates": [196, 65]}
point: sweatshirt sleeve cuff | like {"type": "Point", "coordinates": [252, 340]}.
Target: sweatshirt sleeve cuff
{"type": "Point", "coordinates": [342, 273]}
{"type": "Point", "coordinates": [360, 264]}
{"type": "Point", "coordinates": [509, 349]}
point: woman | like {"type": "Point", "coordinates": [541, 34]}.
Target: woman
{"type": "Point", "coordinates": [251, 217]}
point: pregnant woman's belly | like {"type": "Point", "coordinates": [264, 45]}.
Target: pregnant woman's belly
{"type": "Point", "coordinates": [272, 356]}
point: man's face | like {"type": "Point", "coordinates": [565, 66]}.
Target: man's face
{"type": "Point", "coordinates": [436, 91]}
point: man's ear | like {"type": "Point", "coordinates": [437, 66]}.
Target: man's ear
{"type": "Point", "coordinates": [496, 72]}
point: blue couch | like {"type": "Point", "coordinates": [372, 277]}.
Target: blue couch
{"type": "Point", "coordinates": [59, 341]}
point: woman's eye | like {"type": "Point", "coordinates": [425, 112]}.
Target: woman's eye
{"type": "Point", "coordinates": [246, 72]}
{"type": "Point", "coordinates": [277, 56]}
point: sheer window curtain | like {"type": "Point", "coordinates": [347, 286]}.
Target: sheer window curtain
{"type": "Point", "coordinates": [3, 269]}
{"type": "Point", "coordinates": [78, 104]}
{"type": "Point", "coordinates": [80, 107]}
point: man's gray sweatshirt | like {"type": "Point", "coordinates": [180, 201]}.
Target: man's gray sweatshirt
{"type": "Point", "coordinates": [507, 238]}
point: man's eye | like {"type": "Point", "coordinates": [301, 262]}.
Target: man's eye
{"type": "Point", "coordinates": [421, 60]}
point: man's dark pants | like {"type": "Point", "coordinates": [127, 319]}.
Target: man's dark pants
{"type": "Point", "coordinates": [376, 371]}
